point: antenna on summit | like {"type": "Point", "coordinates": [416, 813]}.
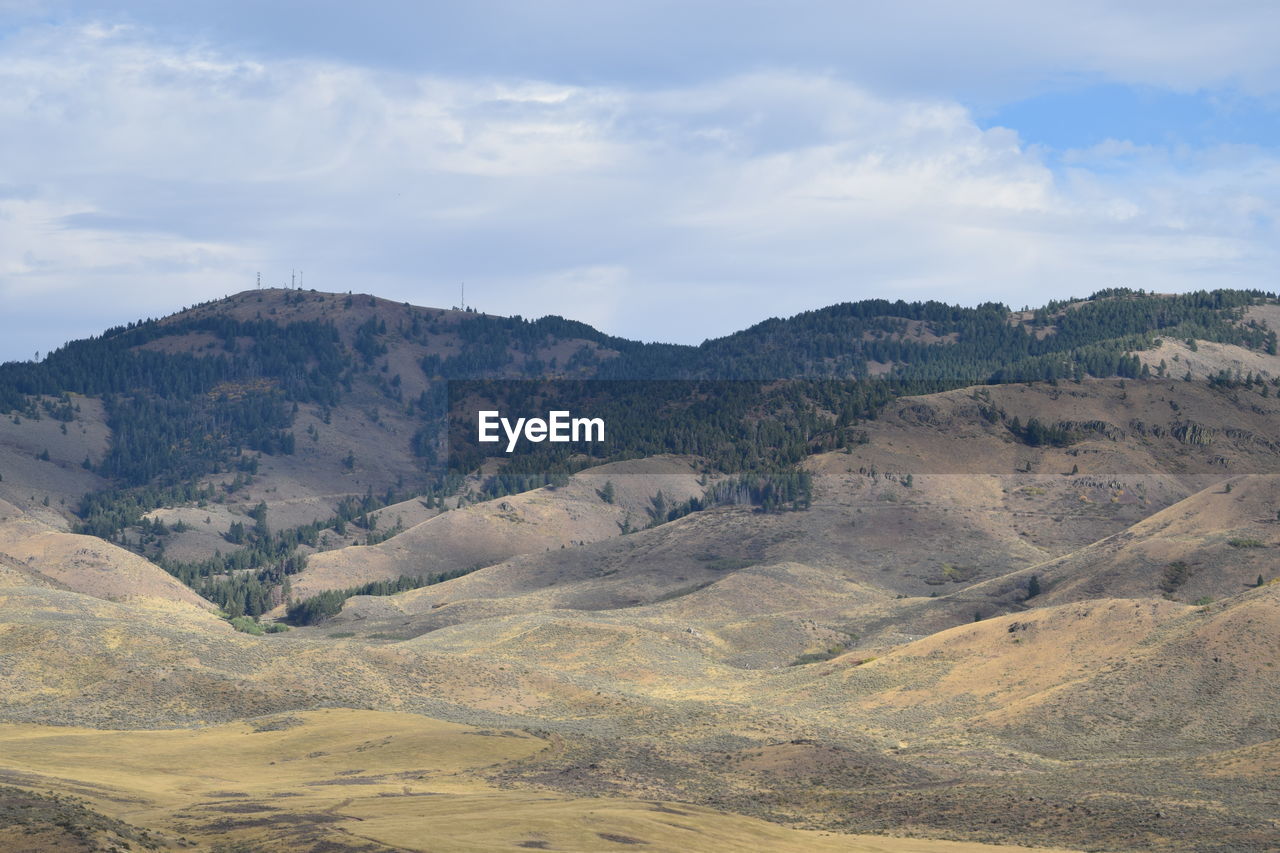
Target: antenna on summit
{"type": "Point", "coordinates": [464, 296]}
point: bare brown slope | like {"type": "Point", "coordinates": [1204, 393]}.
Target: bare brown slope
{"type": "Point", "coordinates": [1210, 358]}
{"type": "Point", "coordinates": [50, 488]}
{"type": "Point", "coordinates": [84, 564]}
{"type": "Point", "coordinates": [706, 576]}
{"type": "Point", "coordinates": [1215, 544]}
{"type": "Point", "coordinates": [547, 519]}
{"type": "Point", "coordinates": [1090, 678]}
{"type": "Point", "coordinates": [936, 470]}
{"type": "Point", "coordinates": [760, 588]}
{"type": "Point", "coordinates": [938, 498]}
{"type": "Point", "coordinates": [1205, 681]}
{"type": "Point", "coordinates": [1177, 431]}
{"type": "Point", "coordinates": [923, 507]}
{"type": "Point", "coordinates": [866, 538]}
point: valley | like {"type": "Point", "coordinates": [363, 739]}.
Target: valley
{"type": "Point", "coordinates": [932, 579]}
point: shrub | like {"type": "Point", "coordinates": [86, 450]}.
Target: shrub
{"type": "Point", "coordinates": [607, 494]}
{"type": "Point", "coordinates": [317, 608]}
{"type": "Point", "coordinates": [247, 625]}
{"type": "Point", "coordinates": [1175, 575]}
{"type": "Point", "coordinates": [817, 657]}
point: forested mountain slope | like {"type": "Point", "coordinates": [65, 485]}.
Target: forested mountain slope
{"type": "Point", "coordinates": [232, 440]}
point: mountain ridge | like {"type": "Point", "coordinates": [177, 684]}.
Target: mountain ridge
{"type": "Point", "coordinates": [823, 617]}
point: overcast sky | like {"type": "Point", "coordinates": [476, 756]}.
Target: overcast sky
{"type": "Point", "coordinates": [662, 170]}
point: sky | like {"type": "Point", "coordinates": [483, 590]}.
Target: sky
{"type": "Point", "coordinates": [662, 170]}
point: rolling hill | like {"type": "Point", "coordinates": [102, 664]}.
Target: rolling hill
{"type": "Point", "coordinates": [974, 576]}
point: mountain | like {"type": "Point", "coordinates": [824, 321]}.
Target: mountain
{"type": "Point", "coordinates": [904, 569]}
{"type": "Point", "coordinates": [246, 433]}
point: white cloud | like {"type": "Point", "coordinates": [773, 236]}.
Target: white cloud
{"type": "Point", "coordinates": [165, 173]}
{"type": "Point", "coordinates": [978, 50]}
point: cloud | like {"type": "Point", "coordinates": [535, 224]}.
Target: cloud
{"type": "Point", "coordinates": [976, 50]}
{"type": "Point", "coordinates": [159, 172]}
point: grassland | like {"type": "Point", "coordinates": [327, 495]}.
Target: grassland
{"type": "Point", "coordinates": [346, 780]}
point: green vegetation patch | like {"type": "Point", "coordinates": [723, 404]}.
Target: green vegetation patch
{"type": "Point", "coordinates": [317, 608]}
{"type": "Point", "coordinates": [725, 564]}
{"type": "Point", "coordinates": [1175, 575]}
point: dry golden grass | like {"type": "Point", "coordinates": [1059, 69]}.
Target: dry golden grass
{"type": "Point", "coordinates": [85, 564]}
{"type": "Point", "coordinates": [1211, 357]}
{"type": "Point", "coordinates": [535, 522]}
{"type": "Point", "coordinates": [1214, 544]}
{"type": "Point", "coordinates": [346, 778]}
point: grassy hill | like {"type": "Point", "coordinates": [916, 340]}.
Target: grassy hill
{"type": "Point", "coordinates": [34, 553]}
{"type": "Point", "coordinates": [810, 616]}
